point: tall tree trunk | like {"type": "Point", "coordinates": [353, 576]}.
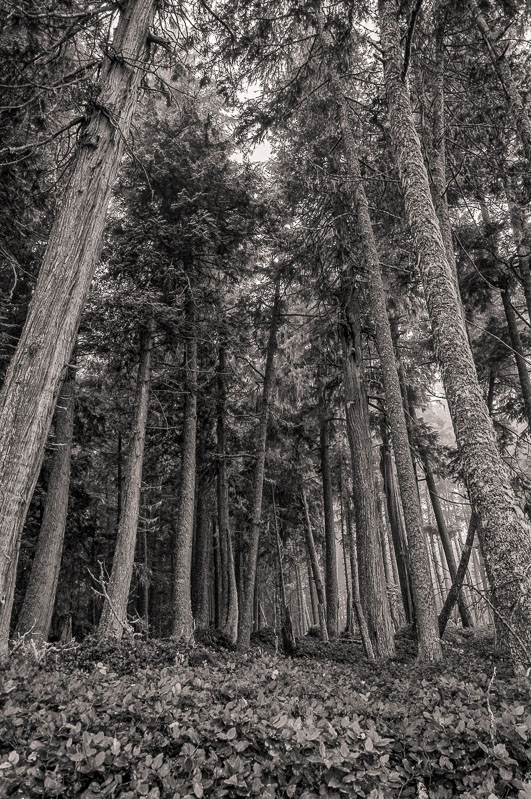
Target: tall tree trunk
{"type": "Point", "coordinates": [32, 382]}
{"type": "Point", "coordinates": [371, 570]}
{"type": "Point", "coordinates": [249, 578]}
{"type": "Point", "coordinates": [289, 643]}
{"type": "Point", "coordinates": [183, 622]}
{"type": "Point", "coordinates": [505, 533]}
{"type": "Point", "coordinates": [349, 627]}
{"type": "Point", "coordinates": [429, 647]}
{"type": "Point", "coordinates": [316, 570]}
{"type": "Point", "coordinates": [229, 626]}
{"type": "Point", "coordinates": [36, 614]}
{"type": "Point", "coordinates": [518, 350]}
{"type": "Point", "coordinates": [113, 619]}
{"type": "Point", "coordinates": [329, 526]}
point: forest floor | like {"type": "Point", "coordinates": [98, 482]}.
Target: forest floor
{"type": "Point", "coordinates": [146, 719]}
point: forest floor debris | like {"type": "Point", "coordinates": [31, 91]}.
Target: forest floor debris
{"type": "Point", "coordinates": [144, 718]}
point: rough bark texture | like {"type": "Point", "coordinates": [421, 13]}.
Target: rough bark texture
{"type": "Point", "coordinates": [203, 550]}
{"type": "Point", "coordinates": [429, 647]}
{"type": "Point", "coordinates": [249, 577]}
{"type": "Point", "coordinates": [518, 351]}
{"type": "Point", "coordinates": [316, 569]}
{"type": "Point", "coordinates": [397, 530]}
{"type": "Point", "coordinates": [457, 583]}
{"type": "Point", "coordinates": [30, 390]}
{"type": "Point", "coordinates": [183, 623]}
{"type": "Point", "coordinates": [329, 526]}
{"type": "Point", "coordinates": [372, 587]}
{"type": "Point", "coordinates": [505, 533]}
{"type": "Point", "coordinates": [36, 614]}
{"type": "Point", "coordinates": [229, 613]}
{"type": "Point", "coordinates": [113, 619]}
{"type": "Point", "coordinates": [356, 599]}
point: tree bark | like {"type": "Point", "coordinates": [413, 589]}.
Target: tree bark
{"type": "Point", "coordinates": [398, 533]}
{"type": "Point", "coordinates": [249, 578]}
{"type": "Point", "coordinates": [329, 526]}
{"type": "Point", "coordinates": [518, 350]}
{"type": "Point", "coordinates": [31, 386]}
{"type": "Point", "coordinates": [505, 533]}
{"type": "Point", "coordinates": [316, 570]}
{"type": "Point", "coordinates": [429, 647]}
{"type": "Point", "coordinates": [36, 615]}
{"type": "Point", "coordinates": [203, 551]}
{"type": "Point", "coordinates": [356, 599]}
{"type": "Point", "coordinates": [113, 619]}
{"type": "Point", "coordinates": [183, 622]}
{"type": "Point", "coordinates": [371, 570]}
{"type": "Point", "coordinates": [229, 625]}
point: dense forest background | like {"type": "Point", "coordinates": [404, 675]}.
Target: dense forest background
{"type": "Point", "coordinates": [300, 283]}
{"type": "Point", "coordinates": [265, 364]}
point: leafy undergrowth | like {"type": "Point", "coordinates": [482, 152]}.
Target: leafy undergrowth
{"type": "Point", "coordinates": [145, 719]}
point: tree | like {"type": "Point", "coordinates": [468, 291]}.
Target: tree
{"type": "Point", "coordinates": [30, 390]}
{"type": "Point", "coordinates": [505, 534]}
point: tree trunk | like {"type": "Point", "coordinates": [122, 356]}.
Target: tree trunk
{"type": "Point", "coordinates": [518, 351]}
{"type": "Point", "coordinates": [506, 535]}
{"type": "Point", "coordinates": [457, 583]}
{"type": "Point", "coordinates": [32, 382]}
{"type": "Point", "coordinates": [349, 626]}
{"type": "Point", "coordinates": [429, 647]}
{"type": "Point", "coordinates": [464, 612]}
{"type": "Point", "coordinates": [329, 526]}
{"type": "Point", "coordinates": [249, 578]}
{"type": "Point", "coordinates": [314, 560]}
{"type": "Point", "coordinates": [36, 615]}
{"type": "Point", "coordinates": [398, 534]}
{"type": "Point", "coordinates": [203, 553]}
{"type": "Point", "coordinates": [229, 625]}
{"type": "Point", "coordinates": [113, 619]}
{"type": "Point", "coordinates": [521, 234]}
{"type": "Point", "coordinates": [356, 599]}
{"type": "Point", "coordinates": [183, 622]}
{"type": "Point", "coordinates": [371, 570]}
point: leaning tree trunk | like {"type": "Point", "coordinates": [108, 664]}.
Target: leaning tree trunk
{"type": "Point", "coordinates": [522, 240]}
{"type": "Point", "coordinates": [314, 561]}
{"type": "Point", "coordinates": [504, 531]}
{"type": "Point", "coordinates": [249, 577]}
{"type": "Point", "coordinates": [183, 622]}
{"type": "Point", "coordinates": [429, 646]}
{"type": "Point", "coordinates": [457, 582]}
{"type": "Point", "coordinates": [32, 382]}
{"type": "Point", "coordinates": [329, 526]}
{"type": "Point", "coordinates": [113, 619]}
{"type": "Point", "coordinates": [371, 568]}
{"type": "Point", "coordinates": [229, 620]}
{"type": "Point", "coordinates": [36, 615]}
{"type": "Point", "coordinates": [444, 536]}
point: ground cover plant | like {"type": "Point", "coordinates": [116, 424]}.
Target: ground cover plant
{"type": "Point", "coordinates": [149, 719]}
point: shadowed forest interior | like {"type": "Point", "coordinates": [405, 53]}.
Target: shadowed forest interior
{"type": "Point", "coordinates": [265, 402]}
